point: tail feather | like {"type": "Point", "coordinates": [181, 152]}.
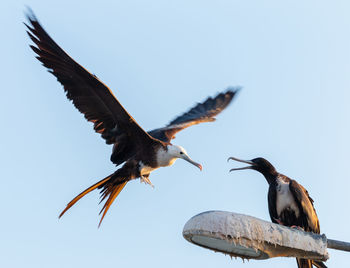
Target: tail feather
{"type": "Point", "coordinates": [319, 264]}
{"type": "Point", "coordinates": [105, 192]}
{"type": "Point", "coordinates": [88, 190]}
{"type": "Point", "coordinates": [305, 263]}
{"type": "Point", "coordinates": [112, 196]}
{"type": "Point", "coordinates": [111, 187]}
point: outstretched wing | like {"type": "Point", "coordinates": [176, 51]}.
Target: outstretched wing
{"type": "Point", "coordinates": [202, 112]}
{"type": "Point", "coordinates": [305, 204]}
{"type": "Point", "coordinates": [88, 94]}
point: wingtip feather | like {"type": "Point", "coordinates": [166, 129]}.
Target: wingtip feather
{"type": "Point", "coordinates": [234, 89]}
{"type": "Point", "coordinates": [29, 13]}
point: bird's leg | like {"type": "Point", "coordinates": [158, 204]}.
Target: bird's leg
{"type": "Point", "coordinates": [278, 221]}
{"type": "Point", "coordinates": [297, 227]}
{"type": "Point", "coordinates": [146, 180]}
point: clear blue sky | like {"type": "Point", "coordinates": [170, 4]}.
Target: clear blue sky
{"type": "Point", "coordinates": [159, 58]}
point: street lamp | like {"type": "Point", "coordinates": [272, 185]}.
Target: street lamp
{"type": "Point", "coordinates": [248, 237]}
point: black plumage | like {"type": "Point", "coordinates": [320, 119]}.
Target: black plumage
{"type": "Point", "coordinates": [202, 112]}
{"type": "Point", "coordinates": [289, 202]}
{"type": "Point", "coordinates": [139, 151]}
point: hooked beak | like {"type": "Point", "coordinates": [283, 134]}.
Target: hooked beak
{"type": "Point", "coordinates": [188, 159]}
{"type": "Point", "coordinates": [251, 163]}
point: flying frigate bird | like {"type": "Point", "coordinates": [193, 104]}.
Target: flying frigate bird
{"type": "Point", "coordinates": [140, 151]}
{"type": "Point", "coordinates": [289, 202]}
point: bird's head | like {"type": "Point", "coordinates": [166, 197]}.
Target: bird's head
{"type": "Point", "coordinates": [259, 164]}
{"type": "Point", "coordinates": [177, 151]}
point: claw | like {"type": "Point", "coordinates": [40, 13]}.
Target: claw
{"type": "Point", "coordinates": [297, 227]}
{"type": "Point", "coordinates": [278, 221]}
{"type": "Point", "coordinates": [146, 180]}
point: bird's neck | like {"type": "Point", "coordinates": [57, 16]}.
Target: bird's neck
{"type": "Point", "coordinates": [270, 177]}
{"type": "Point", "coordinates": [164, 158]}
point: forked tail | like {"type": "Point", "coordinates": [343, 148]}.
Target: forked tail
{"type": "Point", "coordinates": [304, 263]}
{"type": "Point", "coordinates": [111, 187]}
{"type": "Point", "coordinates": [319, 264]}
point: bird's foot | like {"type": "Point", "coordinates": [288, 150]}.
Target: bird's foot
{"type": "Point", "coordinates": [297, 227]}
{"type": "Point", "coordinates": [146, 180]}
{"type": "Point", "coordinates": [278, 221]}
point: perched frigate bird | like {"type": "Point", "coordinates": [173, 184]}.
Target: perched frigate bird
{"type": "Point", "coordinates": [289, 202]}
{"type": "Point", "coordinates": [140, 151]}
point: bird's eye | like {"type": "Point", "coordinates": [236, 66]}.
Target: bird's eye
{"type": "Point", "coordinates": [181, 153]}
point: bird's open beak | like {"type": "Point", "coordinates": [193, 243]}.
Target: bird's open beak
{"type": "Point", "coordinates": [188, 159]}
{"type": "Point", "coordinates": [251, 163]}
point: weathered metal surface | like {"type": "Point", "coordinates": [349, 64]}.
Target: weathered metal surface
{"type": "Point", "coordinates": [251, 238]}
{"type": "Point", "coordinates": [338, 245]}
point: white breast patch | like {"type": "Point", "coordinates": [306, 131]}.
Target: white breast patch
{"type": "Point", "coordinates": [284, 198]}
{"type": "Point", "coordinates": [144, 169]}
